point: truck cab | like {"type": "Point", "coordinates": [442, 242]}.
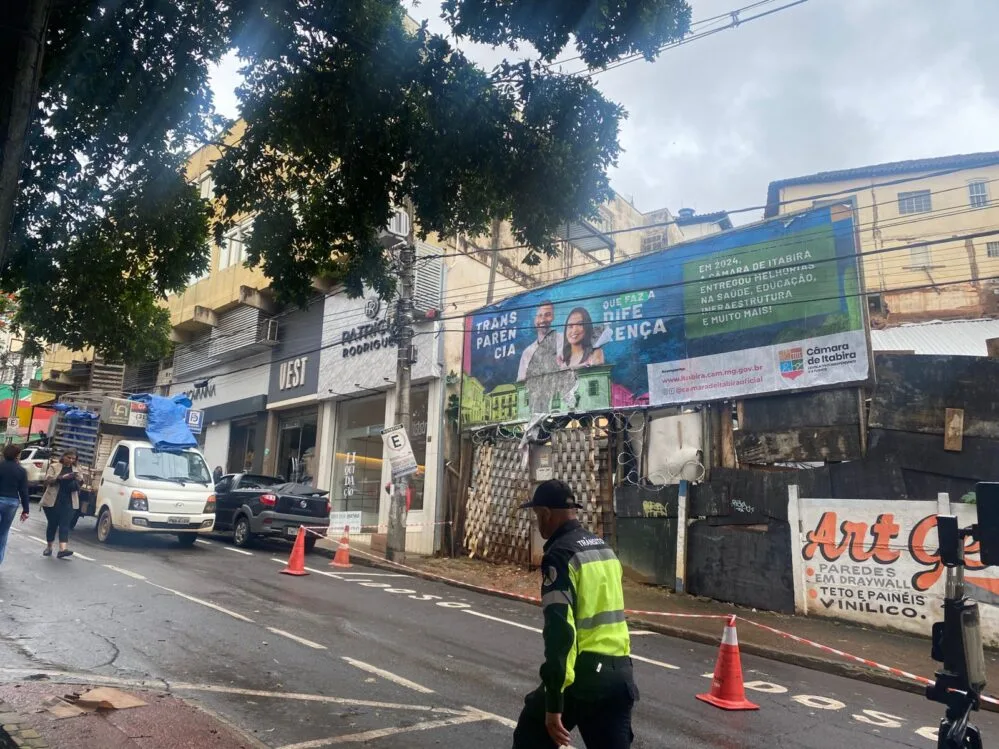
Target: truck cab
{"type": "Point", "coordinates": [144, 490]}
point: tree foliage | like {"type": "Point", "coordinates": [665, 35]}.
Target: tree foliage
{"type": "Point", "coordinates": [105, 223]}
{"type": "Point", "coordinates": [349, 113]}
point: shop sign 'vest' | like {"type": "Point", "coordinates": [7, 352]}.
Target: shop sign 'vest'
{"type": "Point", "coordinates": [291, 374]}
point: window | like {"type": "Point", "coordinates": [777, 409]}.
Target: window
{"type": "Point", "coordinates": [594, 388]}
{"type": "Point", "coordinates": [920, 255]}
{"type": "Point", "coordinates": [917, 201]}
{"type": "Point", "coordinates": [206, 187]}
{"type": "Point", "coordinates": [978, 194]}
{"type": "Point", "coordinates": [992, 249]}
{"type": "Point", "coordinates": [120, 456]}
{"type": "Point", "coordinates": [180, 468]}
{"type": "Point", "coordinates": [233, 250]}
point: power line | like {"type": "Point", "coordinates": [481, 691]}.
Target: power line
{"type": "Point", "coordinates": [441, 329]}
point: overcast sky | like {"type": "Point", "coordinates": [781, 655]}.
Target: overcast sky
{"type": "Point", "coordinates": [829, 84]}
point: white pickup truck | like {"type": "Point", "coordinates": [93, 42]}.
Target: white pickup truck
{"type": "Point", "coordinates": [130, 486]}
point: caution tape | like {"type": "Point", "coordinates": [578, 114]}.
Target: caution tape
{"type": "Point", "coordinates": [639, 612]}
{"type": "Point", "coordinates": [855, 658]}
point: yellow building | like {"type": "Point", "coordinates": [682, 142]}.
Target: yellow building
{"type": "Point", "coordinates": [926, 208]}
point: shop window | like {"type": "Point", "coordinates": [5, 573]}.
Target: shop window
{"type": "Point", "coordinates": [297, 447]}
{"type": "Point", "coordinates": [357, 463]}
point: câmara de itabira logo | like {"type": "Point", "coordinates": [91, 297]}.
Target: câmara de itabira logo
{"type": "Point", "coordinates": [792, 362]}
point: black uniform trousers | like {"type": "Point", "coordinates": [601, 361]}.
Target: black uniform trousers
{"type": "Point", "coordinates": [599, 703]}
{"type": "Point", "coordinates": [60, 518]}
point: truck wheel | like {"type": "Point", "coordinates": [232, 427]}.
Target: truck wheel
{"type": "Point", "coordinates": [105, 529]}
{"type": "Point", "coordinates": [241, 535]}
{"type": "Point", "coordinates": [310, 543]}
{"type": "Point", "coordinates": [187, 539]}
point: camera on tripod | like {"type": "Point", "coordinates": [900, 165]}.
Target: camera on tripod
{"type": "Point", "coordinates": [957, 640]}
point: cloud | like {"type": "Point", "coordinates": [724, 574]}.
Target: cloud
{"type": "Point", "coordinates": [823, 85]}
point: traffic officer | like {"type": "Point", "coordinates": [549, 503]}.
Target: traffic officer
{"type": "Point", "coordinates": [587, 678]}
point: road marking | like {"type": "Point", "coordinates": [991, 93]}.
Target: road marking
{"type": "Point", "coordinates": [131, 574]}
{"type": "Point", "coordinates": [535, 629]}
{"type": "Point", "coordinates": [238, 551]}
{"type": "Point", "coordinates": [92, 678]}
{"type": "Point", "coordinates": [639, 632]}
{"type": "Point", "coordinates": [296, 638]}
{"type": "Point", "coordinates": [493, 716]}
{"type": "Point", "coordinates": [209, 604]}
{"type": "Point", "coordinates": [42, 541]}
{"type": "Point", "coordinates": [84, 557]}
{"type": "Point", "coordinates": [388, 675]}
{"type": "Point", "coordinates": [502, 621]}
{"type": "Point", "coordinates": [314, 698]}
{"type": "Point", "coordinates": [655, 663]}
{"type": "Point", "coordinates": [378, 733]}
{"type": "Point", "coordinates": [204, 543]}
{"type": "Point", "coordinates": [372, 574]}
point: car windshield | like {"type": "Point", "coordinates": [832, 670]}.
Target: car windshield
{"type": "Point", "coordinates": [183, 466]}
{"type": "Point", "coordinates": [259, 482]}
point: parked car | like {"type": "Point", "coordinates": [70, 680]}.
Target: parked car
{"type": "Point", "coordinates": [35, 461]}
{"type": "Point", "coordinates": [250, 506]}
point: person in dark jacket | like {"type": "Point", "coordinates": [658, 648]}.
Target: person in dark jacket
{"type": "Point", "coordinates": [13, 492]}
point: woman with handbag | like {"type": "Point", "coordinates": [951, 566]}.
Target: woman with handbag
{"type": "Point", "coordinates": [60, 502]}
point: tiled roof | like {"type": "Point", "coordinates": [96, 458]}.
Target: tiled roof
{"type": "Point", "coordinates": [890, 169]}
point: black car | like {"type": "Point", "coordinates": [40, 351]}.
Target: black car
{"type": "Point", "coordinates": [251, 505]}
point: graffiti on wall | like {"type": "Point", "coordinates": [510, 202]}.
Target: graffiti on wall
{"type": "Point", "coordinates": [877, 563]}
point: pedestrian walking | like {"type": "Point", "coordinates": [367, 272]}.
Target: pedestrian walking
{"type": "Point", "coordinates": [60, 502]}
{"type": "Point", "coordinates": [587, 678]}
{"type": "Point", "coordinates": [13, 492]}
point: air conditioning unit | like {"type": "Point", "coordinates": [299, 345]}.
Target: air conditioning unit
{"type": "Point", "coordinates": [397, 229]}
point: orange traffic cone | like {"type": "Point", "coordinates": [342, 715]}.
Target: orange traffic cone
{"type": "Point", "coordinates": [296, 562]}
{"type": "Point", "coordinates": [342, 556]}
{"type": "Point", "coordinates": [727, 690]}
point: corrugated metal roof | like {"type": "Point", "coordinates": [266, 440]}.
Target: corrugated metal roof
{"type": "Point", "coordinates": [949, 338]}
{"type": "Point", "coordinates": [890, 169]}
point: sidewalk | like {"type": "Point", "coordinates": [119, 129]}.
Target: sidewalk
{"type": "Point", "coordinates": [47, 715]}
{"type": "Point", "coordinates": [900, 651]}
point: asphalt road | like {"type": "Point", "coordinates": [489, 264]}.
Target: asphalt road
{"type": "Point", "coordinates": [344, 658]}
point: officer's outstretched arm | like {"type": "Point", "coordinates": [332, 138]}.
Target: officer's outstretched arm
{"type": "Point", "coordinates": [558, 596]}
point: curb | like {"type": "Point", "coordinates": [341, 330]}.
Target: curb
{"type": "Point", "coordinates": [815, 663]}
{"type": "Point", "coordinates": [15, 732]}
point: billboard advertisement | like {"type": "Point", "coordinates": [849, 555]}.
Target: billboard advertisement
{"type": "Point", "coordinates": [765, 308]}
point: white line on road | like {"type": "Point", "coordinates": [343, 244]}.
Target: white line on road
{"type": "Point", "coordinates": [314, 698]}
{"type": "Point", "coordinates": [638, 632]}
{"type": "Point", "coordinates": [203, 542]}
{"type": "Point", "coordinates": [493, 716]}
{"type": "Point", "coordinates": [379, 733]}
{"type": "Point", "coordinates": [238, 551]}
{"type": "Point", "coordinates": [535, 629]}
{"type": "Point", "coordinates": [670, 666]}
{"type": "Point", "coordinates": [135, 575]}
{"type": "Point", "coordinates": [92, 678]}
{"type": "Point", "coordinates": [388, 676]}
{"type": "Point", "coordinates": [84, 557]}
{"type": "Point", "coordinates": [373, 574]}
{"type": "Point", "coordinates": [209, 604]}
{"type": "Point", "coordinates": [502, 621]}
{"type": "Point", "coordinates": [42, 541]}
{"type": "Point", "coordinates": [296, 638]}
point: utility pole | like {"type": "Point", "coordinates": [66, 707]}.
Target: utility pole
{"type": "Point", "coordinates": [15, 396]}
{"type": "Point", "coordinates": [493, 260]}
{"type": "Point", "coordinates": [395, 547]}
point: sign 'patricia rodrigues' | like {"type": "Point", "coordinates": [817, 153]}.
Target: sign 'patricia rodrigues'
{"type": "Point", "coordinates": [771, 307]}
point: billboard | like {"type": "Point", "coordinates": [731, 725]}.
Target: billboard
{"type": "Point", "coordinates": [769, 307]}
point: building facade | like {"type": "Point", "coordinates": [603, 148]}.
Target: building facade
{"type": "Point", "coordinates": [927, 208]}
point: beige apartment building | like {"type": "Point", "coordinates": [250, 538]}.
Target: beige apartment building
{"type": "Point", "coordinates": [931, 210]}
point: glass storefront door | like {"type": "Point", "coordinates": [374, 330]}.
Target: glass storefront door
{"type": "Point", "coordinates": [357, 461]}
{"type": "Point", "coordinates": [242, 438]}
{"type": "Point", "coordinates": [297, 447]}
{"type": "Point", "coordinates": [419, 401]}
